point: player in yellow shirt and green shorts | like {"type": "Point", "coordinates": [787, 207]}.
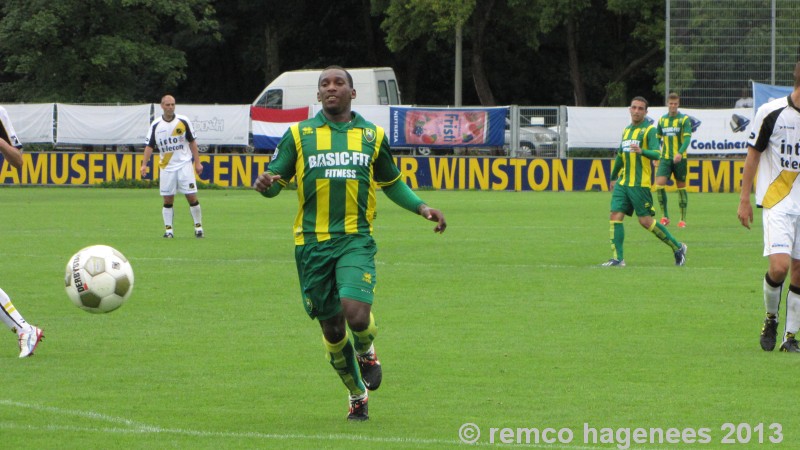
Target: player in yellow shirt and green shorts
{"type": "Point", "coordinates": [339, 159]}
{"type": "Point", "coordinates": [675, 132]}
{"type": "Point", "coordinates": [630, 183]}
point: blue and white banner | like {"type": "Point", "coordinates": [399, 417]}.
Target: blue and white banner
{"type": "Point", "coordinates": [447, 127]}
{"type": "Point", "coordinates": [450, 173]}
{"type": "Point", "coordinates": [765, 93]}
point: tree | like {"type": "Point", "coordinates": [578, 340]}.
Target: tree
{"type": "Point", "coordinates": [98, 50]}
{"type": "Point", "coordinates": [262, 39]}
{"type": "Point", "coordinates": [599, 47]}
{"type": "Point", "coordinates": [414, 24]}
{"type": "Point", "coordinates": [608, 44]}
{"type": "Point", "coordinates": [530, 52]}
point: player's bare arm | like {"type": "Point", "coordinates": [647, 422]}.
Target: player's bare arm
{"type": "Point", "coordinates": [198, 167]}
{"type": "Point", "coordinates": [434, 215]}
{"type": "Point", "coordinates": [148, 151]}
{"type": "Point", "coordinates": [12, 154]}
{"type": "Point", "coordinates": [745, 211]}
{"type": "Point", "coordinates": [265, 181]}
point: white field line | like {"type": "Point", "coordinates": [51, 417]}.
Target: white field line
{"type": "Point", "coordinates": [127, 426]}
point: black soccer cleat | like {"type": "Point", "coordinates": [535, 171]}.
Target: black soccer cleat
{"type": "Point", "coordinates": [790, 344]}
{"type": "Point", "coordinates": [358, 409]}
{"type": "Point", "coordinates": [371, 372]}
{"type": "Point", "coordinates": [768, 334]}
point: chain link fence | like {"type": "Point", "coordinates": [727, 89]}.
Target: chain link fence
{"type": "Point", "coordinates": [715, 48]}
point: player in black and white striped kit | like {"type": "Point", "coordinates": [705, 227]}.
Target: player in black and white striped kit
{"type": "Point", "coordinates": [773, 153]}
{"type": "Point", "coordinates": [174, 137]}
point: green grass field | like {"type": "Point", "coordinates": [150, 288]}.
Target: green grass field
{"type": "Point", "coordinates": [505, 321]}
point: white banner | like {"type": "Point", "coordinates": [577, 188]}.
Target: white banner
{"type": "Point", "coordinates": [714, 131]}
{"type": "Point", "coordinates": [216, 124]}
{"type": "Point", "coordinates": [102, 125]}
{"type": "Point", "coordinates": [33, 123]}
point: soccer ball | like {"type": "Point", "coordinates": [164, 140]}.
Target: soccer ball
{"type": "Point", "coordinates": [98, 279]}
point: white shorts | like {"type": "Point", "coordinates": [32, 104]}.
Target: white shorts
{"type": "Point", "coordinates": [781, 233]}
{"type": "Point", "coordinates": [180, 181]}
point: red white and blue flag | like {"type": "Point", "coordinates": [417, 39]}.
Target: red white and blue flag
{"type": "Point", "coordinates": [269, 124]}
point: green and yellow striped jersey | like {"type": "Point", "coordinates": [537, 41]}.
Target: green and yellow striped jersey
{"type": "Point", "coordinates": [675, 132]}
{"type": "Point", "coordinates": [635, 167]}
{"type": "Point", "coordinates": [337, 167]}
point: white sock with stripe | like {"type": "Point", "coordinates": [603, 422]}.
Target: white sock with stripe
{"type": "Point", "coordinates": [167, 213]}
{"type": "Point", "coordinates": [10, 316]}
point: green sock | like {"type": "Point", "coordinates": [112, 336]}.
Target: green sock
{"type": "Point", "coordinates": [362, 340]}
{"type": "Point", "coordinates": [683, 202]}
{"type": "Point", "coordinates": [663, 234]}
{"type": "Point", "coordinates": [661, 193]}
{"type": "Point", "coordinates": [343, 360]}
{"type": "Point", "coordinates": [617, 232]}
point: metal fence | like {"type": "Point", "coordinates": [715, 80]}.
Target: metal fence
{"type": "Point", "coordinates": [530, 132]}
{"type": "Point", "coordinates": [715, 48]}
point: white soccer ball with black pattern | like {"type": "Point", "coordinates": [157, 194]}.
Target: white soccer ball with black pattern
{"type": "Point", "coordinates": [98, 279]}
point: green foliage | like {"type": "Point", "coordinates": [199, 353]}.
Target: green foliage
{"type": "Point", "coordinates": [225, 51]}
{"type": "Point", "coordinates": [553, 13]}
{"type": "Point", "coordinates": [592, 153]}
{"type": "Point", "coordinates": [617, 95]}
{"type": "Point", "coordinates": [506, 319]}
{"type": "Point", "coordinates": [126, 183]}
{"type": "Point", "coordinates": [97, 50]}
{"type": "Point", "coordinates": [725, 47]}
{"type": "Point", "coordinates": [527, 45]}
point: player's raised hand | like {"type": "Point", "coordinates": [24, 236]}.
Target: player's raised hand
{"type": "Point", "coordinates": [434, 215]}
{"type": "Point", "coordinates": [265, 181]}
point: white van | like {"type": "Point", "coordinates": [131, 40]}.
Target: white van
{"type": "Point", "coordinates": [298, 88]}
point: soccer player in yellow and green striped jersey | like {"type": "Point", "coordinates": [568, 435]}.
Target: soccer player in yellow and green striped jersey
{"type": "Point", "coordinates": [338, 159]}
{"type": "Point", "coordinates": [630, 183]}
{"type": "Point", "coordinates": [675, 132]}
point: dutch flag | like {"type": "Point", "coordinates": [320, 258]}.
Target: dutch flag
{"type": "Point", "coordinates": [270, 124]}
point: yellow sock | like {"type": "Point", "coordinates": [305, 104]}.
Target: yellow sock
{"type": "Point", "coordinates": [342, 358]}
{"type": "Point", "coordinates": [362, 340]}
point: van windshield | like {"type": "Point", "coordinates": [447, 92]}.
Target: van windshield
{"type": "Point", "coordinates": [383, 96]}
{"type": "Point", "coordinates": [273, 98]}
{"type": "Point", "coordinates": [394, 93]}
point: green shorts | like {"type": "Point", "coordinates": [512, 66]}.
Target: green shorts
{"type": "Point", "coordinates": [341, 267]}
{"type": "Point", "coordinates": [667, 167]}
{"type": "Point", "coordinates": [627, 199]}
